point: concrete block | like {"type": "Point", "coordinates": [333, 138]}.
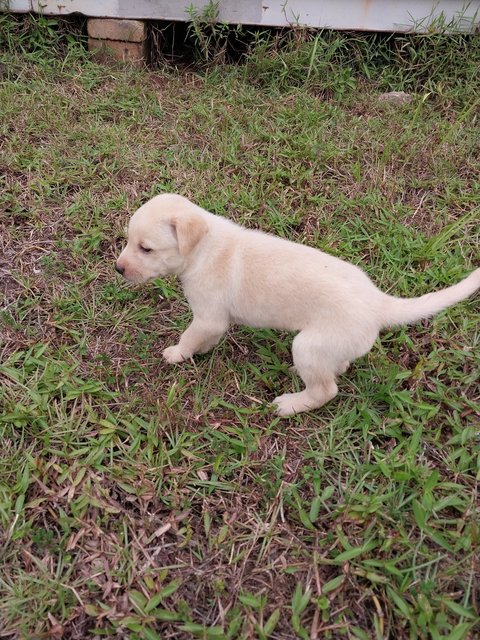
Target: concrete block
{"type": "Point", "coordinates": [112, 29]}
{"type": "Point", "coordinates": [106, 51]}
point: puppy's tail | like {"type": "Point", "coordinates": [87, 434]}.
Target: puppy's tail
{"type": "Point", "coordinates": [407, 310]}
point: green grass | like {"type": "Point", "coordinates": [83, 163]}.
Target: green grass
{"type": "Point", "coordinates": [146, 501]}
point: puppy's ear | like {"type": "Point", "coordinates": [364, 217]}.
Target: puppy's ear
{"type": "Point", "coordinates": [188, 229]}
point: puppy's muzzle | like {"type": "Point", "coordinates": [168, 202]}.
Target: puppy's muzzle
{"type": "Point", "coordinates": [119, 269]}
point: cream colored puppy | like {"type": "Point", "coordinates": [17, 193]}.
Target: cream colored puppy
{"type": "Point", "coordinates": [231, 275]}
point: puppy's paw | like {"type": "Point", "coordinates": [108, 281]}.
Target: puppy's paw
{"type": "Point", "coordinates": [291, 403]}
{"type": "Point", "coordinates": [285, 405]}
{"type": "Point", "coordinates": [173, 355]}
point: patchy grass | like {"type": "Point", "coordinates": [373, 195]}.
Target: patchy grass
{"type": "Point", "coordinates": [144, 501]}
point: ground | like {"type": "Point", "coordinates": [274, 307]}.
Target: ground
{"type": "Point", "coordinates": [140, 500]}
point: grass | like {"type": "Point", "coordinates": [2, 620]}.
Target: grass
{"type": "Point", "coordinates": [144, 501]}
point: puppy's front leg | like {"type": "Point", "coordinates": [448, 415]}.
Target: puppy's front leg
{"type": "Point", "coordinates": [199, 337]}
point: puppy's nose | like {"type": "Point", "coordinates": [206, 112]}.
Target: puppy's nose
{"type": "Point", "coordinates": [121, 270]}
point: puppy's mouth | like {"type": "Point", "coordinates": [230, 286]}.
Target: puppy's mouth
{"type": "Point", "coordinates": [129, 277]}
{"type": "Point", "coordinates": [138, 279]}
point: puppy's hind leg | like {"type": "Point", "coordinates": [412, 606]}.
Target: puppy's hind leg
{"type": "Point", "coordinates": [317, 364]}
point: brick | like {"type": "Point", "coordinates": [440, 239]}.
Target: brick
{"type": "Point", "coordinates": [112, 29]}
{"type": "Point", "coordinates": [106, 51]}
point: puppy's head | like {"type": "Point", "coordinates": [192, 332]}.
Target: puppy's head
{"type": "Point", "coordinates": [162, 236]}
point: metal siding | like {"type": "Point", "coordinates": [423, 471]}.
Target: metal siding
{"type": "Point", "coordinates": [370, 15]}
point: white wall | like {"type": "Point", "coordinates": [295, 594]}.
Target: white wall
{"type": "Point", "coordinates": [369, 15]}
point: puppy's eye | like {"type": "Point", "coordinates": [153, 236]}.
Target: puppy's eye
{"type": "Point", "coordinates": [145, 249]}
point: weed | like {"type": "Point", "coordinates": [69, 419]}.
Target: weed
{"type": "Point", "coordinates": [331, 63]}
{"type": "Point", "coordinates": [210, 37]}
{"type": "Point", "coordinates": [42, 39]}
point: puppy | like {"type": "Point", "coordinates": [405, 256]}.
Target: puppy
{"type": "Point", "coordinates": [231, 275]}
